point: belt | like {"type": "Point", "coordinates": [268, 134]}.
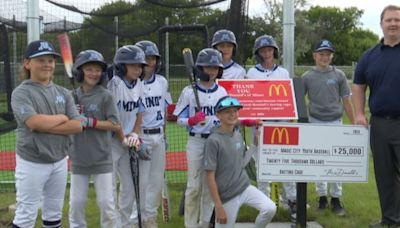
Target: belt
{"type": "Point", "coordinates": [204, 136]}
{"type": "Point", "coordinates": [152, 131]}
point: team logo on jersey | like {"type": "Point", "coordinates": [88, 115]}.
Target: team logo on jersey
{"type": "Point", "coordinates": [208, 110]}
{"type": "Point", "coordinates": [152, 101]}
{"type": "Point", "coordinates": [60, 99]}
{"type": "Point", "coordinates": [22, 110]}
{"type": "Point", "coordinates": [93, 108]}
{"type": "Point", "coordinates": [44, 46]}
{"type": "Point", "coordinates": [127, 106]}
{"type": "Point", "coordinates": [238, 145]}
{"type": "Point", "coordinates": [331, 81]}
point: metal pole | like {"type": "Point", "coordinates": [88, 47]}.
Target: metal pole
{"type": "Point", "coordinates": [116, 33]}
{"type": "Point", "coordinates": [288, 36]}
{"type": "Point", "coordinates": [33, 20]}
{"type": "Point", "coordinates": [167, 51]}
{"type": "Point", "coordinates": [15, 64]}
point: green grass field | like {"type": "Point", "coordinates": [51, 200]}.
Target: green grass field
{"type": "Point", "coordinates": [360, 201]}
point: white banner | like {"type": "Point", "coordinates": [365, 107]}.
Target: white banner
{"type": "Point", "coordinates": [313, 152]}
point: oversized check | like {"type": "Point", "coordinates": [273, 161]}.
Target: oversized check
{"type": "Point", "coordinates": [313, 152]}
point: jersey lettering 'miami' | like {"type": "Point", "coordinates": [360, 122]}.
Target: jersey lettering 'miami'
{"type": "Point", "coordinates": [128, 106]}
{"type": "Point", "coordinates": [152, 101]}
{"type": "Point", "coordinates": [208, 110]}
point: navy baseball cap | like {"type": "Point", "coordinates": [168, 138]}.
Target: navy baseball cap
{"type": "Point", "coordinates": [324, 45]}
{"type": "Point", "coordinates": [227, 102]}
{"type": "Point", "coordinates": [40, 47]}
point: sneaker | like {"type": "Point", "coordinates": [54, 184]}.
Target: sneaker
{"type": "Point", "coordinates": [337, 207]}
{"type": "Point", "coordinates": [323, 203]}
{"type": "Point", "coordinates": [293, 210]}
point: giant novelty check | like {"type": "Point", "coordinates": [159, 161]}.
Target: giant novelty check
{"type": "Point", "coordinates": [313, 152]}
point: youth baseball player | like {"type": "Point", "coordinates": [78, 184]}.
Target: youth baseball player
{"type": "Point", "coordinates": [225, 159]}
{"type": "Point", "coordinates": [46, 115]}
{"type": "Point", "coordinates": [266, 51]}
{"type": "Point", "coordinates": [91, 153]}
{"type": "Point", "coordinates": [225, 42]}
{"type": "Point", "coordinates": [126, 88]}
{"type": "Point", "coordinates": [156, 99]}
{"type": "Point", "coordinates": [197, 197]}
{"type": "Point", "coordinates": [329, 95]}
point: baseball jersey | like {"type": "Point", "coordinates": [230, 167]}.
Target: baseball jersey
{"type": "Point", "coordinates": [233, 71]}
{"type": "Point", "coordinates": [155, 99]}
{"type": "Point", "coordinates": [258, 72]}
{"type": "Point", "coordinates": [32, 98]}
{"type": "Point", "coordinates": [128, 100]}
{"type": "Point", "coordinates": [91, 152]}
{"type": "Point", "coordinates": [224, 153]}
{"type": "Point", "coordinates": [208, 98]}
{"type": "Point", "coordinates": [325, 90]}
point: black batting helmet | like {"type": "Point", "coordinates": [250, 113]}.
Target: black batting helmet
{"type": "Point", "coordinates": [211, 58]}
{"type": "Point", "coordinates": [87, 56]}
{"type": "Point", "coordinates": [128, 54]}
{"type": "Point", "coordinates": [150, 49]}
{"type": "Point", "coordinates": [265, 41]}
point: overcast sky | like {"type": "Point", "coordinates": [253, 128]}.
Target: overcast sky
{"type": "Point", "coordinates": [370, 18]}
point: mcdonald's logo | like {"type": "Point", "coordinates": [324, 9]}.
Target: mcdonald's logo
{"type": "Point", "coordinates": [281, 135]}
{"type": "Point", "coordinates": [277, 89]}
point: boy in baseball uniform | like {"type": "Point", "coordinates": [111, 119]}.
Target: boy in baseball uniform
{"type": "Point", "coordinates": [225, 41]}
{"type": "Point", "coordinates": [46, 116]}
{"type": "Point", "coordinates": [91, 153]}
{"type": "Point", "coordinates": [126, 88]}
{"type": "Point", "coordinates": [198, 202]}
{"type": "Point", "coordinates": [155, 100]}
{"type": "Point", "coordinates": [329, 95]}
{"type": "Point", "coordinates": [266, 50]}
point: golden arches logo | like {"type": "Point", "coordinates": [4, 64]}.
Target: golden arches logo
{"type": "Point", "coordinates": [277, 89]}
{"type": "Point", "coordinates": [280, 132]}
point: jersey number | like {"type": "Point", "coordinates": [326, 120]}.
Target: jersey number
{"type": "Point", "coordinates": [159, 116]}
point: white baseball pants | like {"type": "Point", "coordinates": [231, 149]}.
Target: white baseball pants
{"type": "Point", "coordinates": [39, 184]}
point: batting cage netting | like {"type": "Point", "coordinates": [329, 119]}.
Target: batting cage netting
{"type": "Point", "coordinates": [106, 25]}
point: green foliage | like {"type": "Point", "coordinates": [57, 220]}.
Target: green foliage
{"type": "Point", "coordinates": [340, 26]}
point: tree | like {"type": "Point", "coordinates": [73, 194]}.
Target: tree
{"type": "Point", "coordinates": [342, 28]}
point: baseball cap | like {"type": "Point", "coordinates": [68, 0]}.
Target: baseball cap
{"type": "Point", "coordinates": [324, 45]}
{"type": "Point", "coordinates": [227, 102]}
{"type": "Point", "coordinates": [40, 47]}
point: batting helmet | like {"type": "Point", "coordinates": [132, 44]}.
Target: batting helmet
{"type": "Point", "coordinates": [150, 49]}
{"type": "Point", "coordinates": [211, 58]}
{"type": "Point", "coordinates": [128, 54]}
{"type": "Point", "coordinates": [265, 41]}
{"type": "Point", "coordinates": [84, 57]}
{"type": "Point", "coordinates": [224, 36]}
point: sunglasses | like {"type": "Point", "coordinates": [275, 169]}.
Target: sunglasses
{"type": "Point", "coordinates": [228, 102]}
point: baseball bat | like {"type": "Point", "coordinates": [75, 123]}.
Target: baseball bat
{"type": "Point", "coordinates": [165, 201]}
{"type": "Point", "coordinates": [189, 64]}
{"type": "Point", "coordinates": [66, 55]}
{"type": "Point", "coordinates": [275, 193]}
